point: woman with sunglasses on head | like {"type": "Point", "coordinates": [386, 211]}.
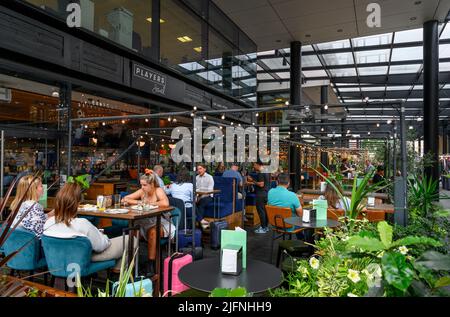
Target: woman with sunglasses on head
{"type": "Point", "coordinates": [151, 194]}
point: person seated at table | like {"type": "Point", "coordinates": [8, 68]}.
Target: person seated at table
{"type": "Point", "coordinates": [183, 189]}
{"type": "Point", "coordinates": [65, 224]}
{"type": "Point", "coordinates": [334, 200]}
{"type": "Point", "coordinates": [151, 193]}
{"type": "Point", "coordinates": [233, 172]}
{"type": "Point", "coordinates": [159, 172]}
{"type": "Point", "coordinates": [220, 169]}
{"type": "Point", "coordinates": [280, 196]}
{"type": "Point", "coordinates": [204, 184]}
{"type": "Point", "coordinates": [34, 217]}
{"type": "Point", "coordinates": [378, 178]}
{"type": "Point", "coordinates": [345, 166]}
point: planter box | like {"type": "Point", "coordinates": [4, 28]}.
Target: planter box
{"type": "Point", "coordinates": [22, 287]}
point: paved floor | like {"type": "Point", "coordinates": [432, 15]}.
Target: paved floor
{"type": "Point", "coordinates": [445, 203]}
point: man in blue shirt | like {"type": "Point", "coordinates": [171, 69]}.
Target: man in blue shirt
{"type": "Point", "coordinates": [282, 197]}
{"type": "Point", "coordinates": [233, 172]}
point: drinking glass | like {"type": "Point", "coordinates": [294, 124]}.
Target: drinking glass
{"type": "Point", "coordinates": [117, 201]}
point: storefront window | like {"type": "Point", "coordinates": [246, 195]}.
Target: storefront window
{"type": "Point", "coordinates": [126, 22]}
{"type": "Point", "coordinates": [181, 35]}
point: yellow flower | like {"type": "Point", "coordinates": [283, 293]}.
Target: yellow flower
{"type": "Point", "coordinates": [403, 250]}
{"type": "Point", "coordinates": [353, 276]}
{"type": "Point", "coordinates": [314, 263]}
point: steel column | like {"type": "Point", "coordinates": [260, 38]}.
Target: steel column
{"type": "Point", "coordinates": [295, 99]}
{"type": "Point", "coordinates": [431, 95]}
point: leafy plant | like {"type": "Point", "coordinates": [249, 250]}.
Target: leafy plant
{"type": "Point", "coordinates": [360, 190]}
{"type": "Point", "coordinates": [227, 292]}
{"type": "Point", "coordinates": [81, 180]}
{"type": "Point", "coordinates": [125, 278]}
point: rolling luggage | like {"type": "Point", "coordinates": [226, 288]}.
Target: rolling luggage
{"type": "Point", "coordinates": [198, 252]}
{"type": "Point", "coordinates": [185, 238]}
{"type": "Point", "coordinates": [216, 228]}
{"type": "Point", "coordinates": [172, 265]}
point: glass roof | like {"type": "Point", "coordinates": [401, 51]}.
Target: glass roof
{"type": "Point", "coordinates": [394, 70]}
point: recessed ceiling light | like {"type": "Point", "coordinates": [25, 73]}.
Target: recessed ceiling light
{"type": "Point", "coordinates": [308, 35]}
{"type": "Point", "coordinates": [184, 39]}
{"type": "Point", "coordinates": [160, 20]}
{"type": "Point", "coordinates": [198, 49]}
{"type": "Point", "coordinates": [413, 18]}
{"type": "Point", "coordinates": [417, 3]}
{"type": "Point", "coordinates": [340, 30]}
{"type": "Point", "coordinates": [278, 41]}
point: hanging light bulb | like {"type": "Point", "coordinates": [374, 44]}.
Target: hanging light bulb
{"type": "Point", "coordinates": [146, 120]}
{"type": "Point", "coordinates": [257, 114]}
{"type": "Point", "coordinates": [195, 108]}
{"type": "Point", "coordinates": [204, 117]}
{"type": "Point", "coordinates": [223, 117]}
{"type": "Point", "coordinates": [103, 123]}
{"type": "Point", "coordinates": [174, 120]}
{"type": "Point", "coordinates": [169, 119]}
{"type": "Point", "coordinates": [378, 125]}
{"type": "Point", "coordinates": [287, 103]}
{"type": "Point", "coordinates": [123, 121]}
{"type": "Point", "coordinates": [326, 107]}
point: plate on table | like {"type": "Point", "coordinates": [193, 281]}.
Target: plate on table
{"type": "Point", "coordinates": [116, 211]}
{"type": "Point", "coordinates": [140, 208]}
{"type": "Point", "coordinates": [88, 207]}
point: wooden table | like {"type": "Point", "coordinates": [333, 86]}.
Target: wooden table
{"type": "Point", "coordinates": [346, 193]}
{"type": "Point", "coordinates": [387, 208]}
{"type": "Point", "coordinates": [132, 216]}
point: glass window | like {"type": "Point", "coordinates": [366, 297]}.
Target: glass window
{"type": "Point", "coordinates": [446, 34]}
{"type": "Point", "coordinates": [381, 39]}
{"type": "Point", "coordinates": [314, 73]}
{"type": "Point", "coordinates": [334, 45]}
{"type": "Point", "coordinates": [444, 67]}
{"type": "Point", "coordinates": [444, 51]}
{"type": "Point", "coordinates": [369, 71]}
{"type": "Point", "coordinates": [180, 35]}
{"type": "Point", "coordinates": [407, 54]}
{"type": "Point", "coordinates": [377, 56]}
{"type": "Point", "coordinates": [275, 63]}
{"type": "Point", "coordinates": [265, 77]}
{"type": "Point", "coordinates": [345, 72]}
{"type": "Point", "coordinates": [339, 59]}
{"type": "Point", "coordinates": [404, 69]}
{"type": "Point", "coordinates": [223, 62]}
{"type": "Point", "coordinates": [310, 61]}
{"type": "Point", "coordinates": [125, 22]}
{"type": "Point", "coordinates": [415, 35]}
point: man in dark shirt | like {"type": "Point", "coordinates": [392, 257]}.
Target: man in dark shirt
{"type": "Point", "coordinates": [262, 186]}
{"type": "Point", "coordinates": [378, 178]}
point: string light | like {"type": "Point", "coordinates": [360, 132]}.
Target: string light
{"type": "Point", "coordinates": [223, 117]}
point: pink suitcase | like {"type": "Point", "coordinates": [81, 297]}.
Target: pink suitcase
{"type": "Point", "coordinates": [172, 265]}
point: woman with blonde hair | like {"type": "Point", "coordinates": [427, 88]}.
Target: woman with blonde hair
{"type": "Point", "coordinates": [151, 194]}
{"type": "Point", "coordinates": [65, 224]}
{"type": "Point", "coordinates": [30, 187]}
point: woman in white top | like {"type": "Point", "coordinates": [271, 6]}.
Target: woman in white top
{"type": "Point", "coordinates": [65, 224]}
{"type": "Point", "coordinates": [183, 188]}
{"type": "Point", "coordinates": [30, 214]}
{"type": "Point", "coordinates": [334, 200]}
{"type": "Point", "coordinates": [151, 193]}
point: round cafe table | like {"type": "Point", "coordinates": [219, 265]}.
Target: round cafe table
{"type": "Point", "coordinates": [313, 223]}
{"type": "Point", "coordinates": [206, 275]}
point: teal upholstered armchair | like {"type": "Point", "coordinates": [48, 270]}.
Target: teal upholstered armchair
{"type": "Point", "coordinates": [64, 254]}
